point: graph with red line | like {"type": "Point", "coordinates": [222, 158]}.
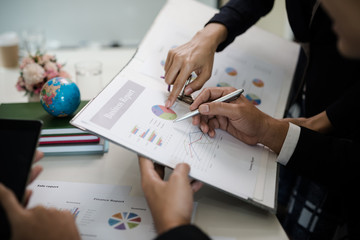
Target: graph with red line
{"type": "Point", "coordinates": [199, 149]}
{"type": "Point", "coordinates": [197, 140]}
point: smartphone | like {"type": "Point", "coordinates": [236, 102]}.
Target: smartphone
{"type": "Point", "coordinates": [18, 143]}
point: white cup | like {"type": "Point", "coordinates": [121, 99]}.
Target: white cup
{"type": "Point", "coordinates": [88, 78]}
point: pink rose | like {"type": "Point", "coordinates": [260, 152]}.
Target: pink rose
{"type": "Point", "coordinates": [64, 74]}
{"type": "Point", "coordinates": [20, 84]}
{"type": "Point", "coordinates": [25, 61]}
{"type": "Point", "coordinates": [51, 74]}
{"type": "Point", "coordinates": [33, 74]}
{"type": "Point", "coordinates": [50, 66]}
{"type": "Point", "coordinates": [48, 58]}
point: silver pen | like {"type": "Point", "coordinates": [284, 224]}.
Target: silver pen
{"type": "Point", "coordinates": [227, 98]}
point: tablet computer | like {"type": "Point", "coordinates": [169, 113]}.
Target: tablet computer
{"type": "Point", "coordinates": [18, 143]}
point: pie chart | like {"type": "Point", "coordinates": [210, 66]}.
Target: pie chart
{"type": "Point", "coordinates": [223, 84]}
{"type": "Point", "coordinates": [231, 71]}
{"type": "Point", "coordinates": [258, 82]}
{"type": "Point", "coordinates": [124, 220]}
{"type": "Point", "coordinates": [163, 112]}
{"type": "Point", "coordinates": [253, 99]}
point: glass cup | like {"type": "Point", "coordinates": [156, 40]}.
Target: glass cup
{"type": "Point", "coordinates": [88, 78]}
{"type": "Point", "coordinates": [33, 42]}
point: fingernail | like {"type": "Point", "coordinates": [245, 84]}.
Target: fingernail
{"type": "Point", "coordinates": [167, 104]}
{"type": "Point", "coordinates": [204, 108]}
{"type": "Point", "coordinates": [188, 90]}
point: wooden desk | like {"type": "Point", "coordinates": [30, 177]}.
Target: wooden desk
{"type": "Point", "coordinates": [217, 214]}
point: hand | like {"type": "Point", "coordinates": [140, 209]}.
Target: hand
{"type": "Point", "coordinates": [196, 55]}
{"type": "Point", "coordinates": [240, 118]}
{"type": "Point", "coordinates": [319, 122]}
{"type": "Point", "coordinates": [35, 171]}
{"type": "Point", "coordinates": [37, 223]}
{"type": "Point", "coordinates": [171, 201]}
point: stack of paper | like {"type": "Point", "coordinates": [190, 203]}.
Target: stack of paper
{"type": "Point", "coordinates": [58, 136]}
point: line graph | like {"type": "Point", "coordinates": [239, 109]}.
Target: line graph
{"type": "Point", "coordinates": [198, 149]}
{"type": "Point", "coordinates": [196, 138]}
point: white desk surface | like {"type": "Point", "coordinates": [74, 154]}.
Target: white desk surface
{"type": "Point", "coordinates": [217, 214]}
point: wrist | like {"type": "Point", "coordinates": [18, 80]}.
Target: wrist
{"type": "Point", "coordinates": [213, 34]}
{"type": "Point", "coordinates": [274, 134]}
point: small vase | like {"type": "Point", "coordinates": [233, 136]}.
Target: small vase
{"type": "Point", "coordinates": [34, 98]}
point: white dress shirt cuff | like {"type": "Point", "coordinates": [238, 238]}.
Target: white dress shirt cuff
{"type": "Point", "coordinates": [292, 137]}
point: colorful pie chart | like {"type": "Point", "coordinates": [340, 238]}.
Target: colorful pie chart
{"type": "Point", "coordinates": [124, 220]}
{"type": "Point", "coordinates": [231, 71]}
{"type": "Point", "coordinates": [253, 99]}
{"type": "Point", "coordinates": [163, 112]}
{"type": "Point", "coordinates": [258, 82]}
{"type": "Point", "coordinates": [223, 84]}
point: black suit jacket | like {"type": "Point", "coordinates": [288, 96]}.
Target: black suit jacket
{"type": "Point", "coordinates": [327, 70]}
{"type": "Point", "coordinates": [187, 232]}
{"type": "Point", "coordinates": [331, 84]}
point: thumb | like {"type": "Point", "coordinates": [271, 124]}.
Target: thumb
{"type": "Point", "coordinates": [182, 169]}
{"type": "Point", "coordinates": [198, 83]}
{"type": "Point", "coordinates": [9, 202]}
{"type": "Point", "coordinates": [228, 110]}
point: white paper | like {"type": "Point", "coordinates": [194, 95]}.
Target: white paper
{"type": "Point", "coordinates": [101, 211]}
{"type": "Point", "coordinates": [130, 110]}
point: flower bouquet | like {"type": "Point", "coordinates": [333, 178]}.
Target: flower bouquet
{"type": "Point", "coordinates": [37, 70]}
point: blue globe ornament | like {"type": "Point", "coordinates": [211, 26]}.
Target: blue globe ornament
{"type": "Point", "coordinates": [60, 97]}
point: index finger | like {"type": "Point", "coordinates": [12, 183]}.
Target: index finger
{"type": "Point", "coordinates": [38, 155]}
{"type": "Point", "coordinates": [210, 94]}
{"type": "Point", "coordinates": [177, 87]}
{"type": "Point", "coordinates": [9, 202]}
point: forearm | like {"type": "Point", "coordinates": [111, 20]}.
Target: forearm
{"type": "Point", "coordinates": [319, 123]}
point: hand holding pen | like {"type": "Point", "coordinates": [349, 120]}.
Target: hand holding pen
{"type": "Point", "coordinates": [241, 118]}
{"type": "Point", "coordinates": [227, 98]}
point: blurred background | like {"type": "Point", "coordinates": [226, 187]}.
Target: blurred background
{"type": "Point", "coordinates": [99, 23]}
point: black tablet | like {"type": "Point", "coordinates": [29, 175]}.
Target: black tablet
{"type": "Point", "coordinates": [18, 143]}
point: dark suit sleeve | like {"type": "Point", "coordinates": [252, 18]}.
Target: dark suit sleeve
{"type": "Point", "coordinates": [239, 15]}
{"type": "Point", "coordinates": [187, 232]}
{"type": "Point", "coordinates": [342, 113]}
{"type": "Point", "coordinates": [326, 159]}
